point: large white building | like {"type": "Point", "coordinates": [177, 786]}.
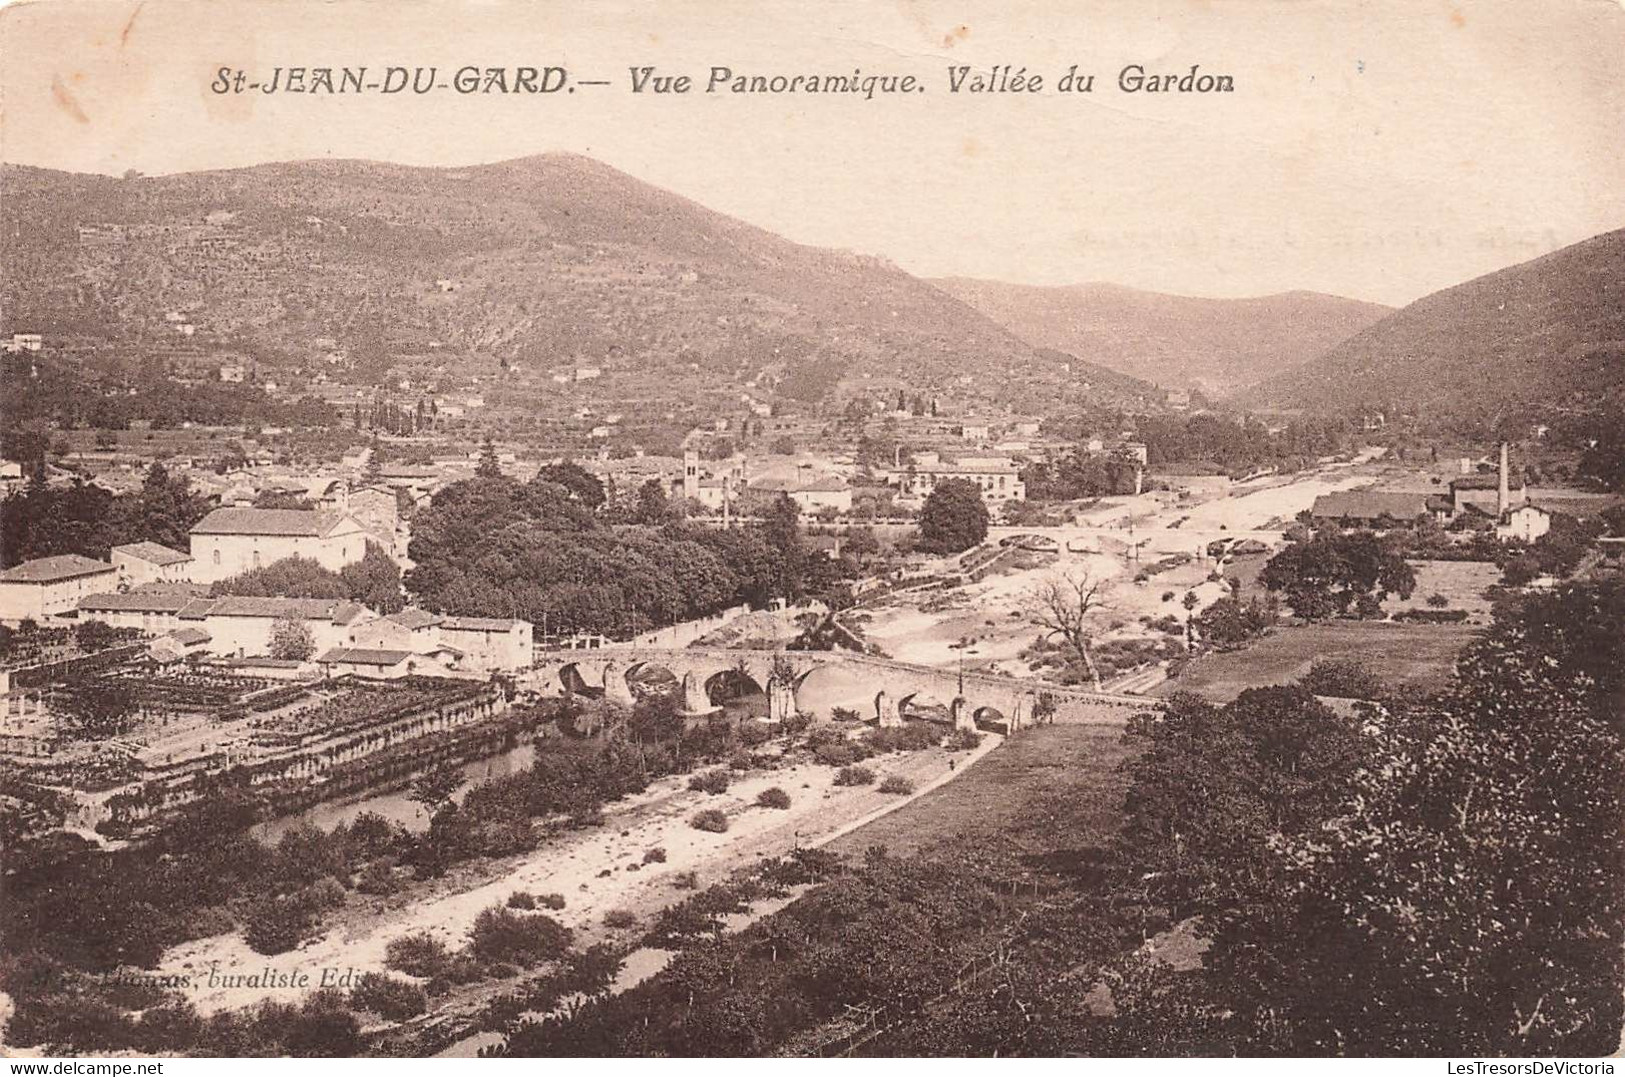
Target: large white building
{"type": "Point", "coordinates": [51, 586]}
{"type": "Point", "coordinates": [998, 478]}
{"type": "Point", "coordinates": [237, 625]}
{"type": "Point", "coordinates": [229, 542]}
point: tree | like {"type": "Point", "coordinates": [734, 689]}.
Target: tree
{"type": "Point", "coordinates": [435, 789]}
{"type": "Point", "coordinates": [1230, 622]}
{"type": "Point", "coordinates": [291, 577]}
{"type": "Point", "coordinates": [1332, 572]}
{"type": "Point", "coordinates": [93, 635]}
{"type": "Point", "coordinates": [374, 581]}
{"type": "Point", "coordinates": [291, 640]}
{"type": "Point", "coordinates": [954, 517]}
{"type": "Point", "coordinates": [1062, 605]}
{"type": "Point", "coordinates": [654, 507]}
{"type": "Point", "coordinates": [579, 484]}
{"type": "Point", "coordinates": [488, 468]}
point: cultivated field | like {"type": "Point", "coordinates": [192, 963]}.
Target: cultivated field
{"type": "Point", "coordinates": [1064, 776]}
{"type": "Point", "coordinates": [1410, 656]}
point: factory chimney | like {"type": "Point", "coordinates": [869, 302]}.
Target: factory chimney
{"type": "Point", "coordinates": [1503, 492]}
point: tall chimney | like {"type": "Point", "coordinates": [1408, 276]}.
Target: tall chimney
{"type": "Point", "coordinates": [1503, 492]}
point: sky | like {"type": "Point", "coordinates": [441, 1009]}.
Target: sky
{"type": "Point", "coordinates": [1378, 150]}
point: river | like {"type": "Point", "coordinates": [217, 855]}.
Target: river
{"type": "Point", "coordinates": [395, 806]}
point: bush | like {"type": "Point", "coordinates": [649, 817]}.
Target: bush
{"type": "Point", "coordinates": [1438, 601]}
{"type": "Point", "coordinates": [657, 855]}
{"type": "Point", "coordinates": [843, 714]}
{"type": "Point", "coordinates": [855, 776]}
{"type": "Point", "coordinates": [276, 926]}
{"type": "Point", "coordinates": [1431, 617]}
{"type": "Point", "coordinates": [378, 879]}
{"type": "Point", "coordinates": [773, 798]}
{"type": "Point", "coordinates": [714, 781]}
{"type": "Point", "coordinates": [1346, 678]}
{"type": "Point", "coordinates": [325, 893]}
{"type": "Point", "coordinates": [390, 998]}
{"type": "Point", "coordinates": [420, 955]}
{"type": "Point", "coordinates": [551, 901]}
{"type": "Point", "coordinates": [620, 919]}
{"type": "Point", "coordinates": [500, 934]}
{"type": "Point", "coordinates": [686, 880]}
{"type": "Point", "coordinates": [963, 740]}
{"type": "Point", "coordinates": [710, 820]}
{"type": "Point", "coordinates": [909, 737]}
{"type": "Point", "coordinates": [521, 899]}
{"type": "Point", "coordinates": [837, 755]}
{"type": "Point", "coordinates": [898, 784]}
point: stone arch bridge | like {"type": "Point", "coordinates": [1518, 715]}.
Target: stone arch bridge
{"type": "Point", "coordinates": [819, 681]}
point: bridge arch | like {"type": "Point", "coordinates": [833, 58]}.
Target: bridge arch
{"type": "Point", "coordinates": [574, 680]}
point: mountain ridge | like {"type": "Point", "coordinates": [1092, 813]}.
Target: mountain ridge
{"type": "Point", "coordinates": [1545, 332]}
{"type": "Point", "coordinates": [546, 258]}
{"type": "Point", "coordinates": [1216, 345]}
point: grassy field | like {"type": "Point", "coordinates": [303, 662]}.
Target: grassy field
{"type": "Point", "coordinates": [1419, 656]}
{"type": "Point", "coordinates": [1048, 788]}
{"type": "Point", "coordinates": [1463, 583]}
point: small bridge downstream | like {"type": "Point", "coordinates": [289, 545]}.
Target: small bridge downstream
{"type": "Point", "coordinates": [817, 682]}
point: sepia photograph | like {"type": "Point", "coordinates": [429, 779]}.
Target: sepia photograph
{"type": "Point", "coordinates": [936, 528]}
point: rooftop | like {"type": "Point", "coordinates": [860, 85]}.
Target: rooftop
{"type": "Point", "coordinates": [478, 624]}
{"type": "Point", "coordinates": [1485, 482]}
{"type": "Point", "coordinates": [337, 610]}
{"type": "Point", "coordinates": [136, 602]}
{"type": "Point", "coordinates": [364, 656]}
{"type": "Point", "coordinates": [281, 522]}
{"type": "Point", "coordinates": [1370, 505]}
{"type": "Point", "coordinates": [153, 553]}
{"type": "Point", "coordinates": [51, 569]}
{"type": "Point", "coordinates": [413, 618]}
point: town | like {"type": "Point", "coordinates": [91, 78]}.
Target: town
{"type": "Point", "coordinates": [816, 577]}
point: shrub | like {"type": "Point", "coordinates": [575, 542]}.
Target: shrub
{"type": "Point", "coordinates": [551, 901]}
{"type": "Point", "coordinates": [837, 755]}
{"type": "Point", "coordinates": [713, 781]}
{"type": "Point", "coordinates": [896, 783]}
{"type": "Point", "coordinates": [773, 798]}
{"type": "Point", "coordinates": [390, 998]}
{"type": "Point", "coordinates": [686, 880]}
{"type": "Point", "coordinates": [1438, 601]}
{"type": "Point", "coordinates": [521, 899]}
{"type": "Point", "coordinates": [378, 879]}
{"type": "Point", "coordinates": [855, 776]}
{"type": "Point", "coordinates": [909, 737]}
{"type": "Point", "coordinates": [1431, 617]}
{"type": "Point", "coordinates": [710, 820]}
{"type": "Point", "coordinates": [275, 926]}
{"type": "Point", "coordinates": [657, 855]}
{"type": "Point", "coordinates": [963, 740]}
{"type": "Point", "coordinates": [620, 919]}
{"type": "Point", "coordinates": [843, 714]}
{"type": "Point", "coordinates": [500, 934]}
{"type": "Point", "coordinates": [325, 893]}
{"type": "Point", "coordinates": [420, 955]}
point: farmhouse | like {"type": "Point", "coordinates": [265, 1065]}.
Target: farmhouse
{"type": "Point", "coordinates": [50, 586]}
{"type": "Point", "coordinates": [228, 542]}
